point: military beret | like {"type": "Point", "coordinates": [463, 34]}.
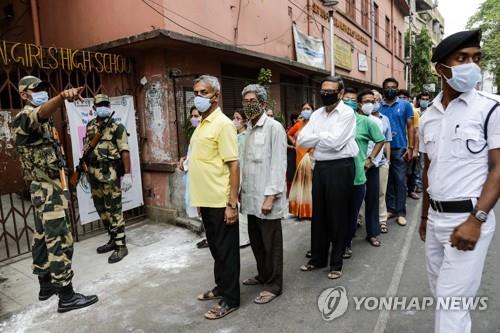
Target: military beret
{"type": "Point", "coordinates": [457, 41]}
{"type": "Point", "coordinates": [101, 98]}
{"type": "Point", "coordinates": [30, 82]}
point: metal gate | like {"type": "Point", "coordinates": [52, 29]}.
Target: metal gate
{"type": "Point", "coordinates": [16, 212]}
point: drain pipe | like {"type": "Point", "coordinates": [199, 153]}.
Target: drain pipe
{"type": "Point", "coordinates": [35, 21]}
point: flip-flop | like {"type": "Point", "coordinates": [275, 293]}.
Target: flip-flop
{"type": "Point", "coordinates": [333, 275]}
{"type": "Point", "coordinates": [383, 227]}
{"type": "Point", "coordinates": [219, 311]}
{"type": "Point", "coordinates": [251, 281]}
{"type": "Point", "coordinates": [308, 268]}
{"type": "Point", "coordinates": [208, 296]}
{"type": "Point", "coordinates": [264, 297]}
{"type": "Point", "coordinates": [373, 241]}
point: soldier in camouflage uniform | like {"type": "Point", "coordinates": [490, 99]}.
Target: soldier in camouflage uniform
{"type": "Point", "coordinates": [109, 165]}
{"type": "Point", "coordinates": [38, 152]}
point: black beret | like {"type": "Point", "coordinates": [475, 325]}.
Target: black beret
{"type": "Point", "coordinates": [457, 41]}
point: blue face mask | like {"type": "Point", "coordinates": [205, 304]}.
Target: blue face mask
{"type": "Point", "coordinates": [352, 104]}
{"type": "Point", "coordinates": [202, 104]}
{"type": "Point", "coordinates": [103, 111]}
{"type": "Point", "coordinates": [424, 104]}
{"type": "Point", "coordinates": [306, 114]}
{"type": "Point", "coordinates": [39, 98]}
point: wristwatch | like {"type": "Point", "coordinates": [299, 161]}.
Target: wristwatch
{"type": "Point", "coordinates": [480, 215]}
{"type": "Point", "coordinates": [233, 206]}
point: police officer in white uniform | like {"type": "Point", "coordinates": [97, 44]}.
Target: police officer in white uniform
{"type": "Point", "coordinates": [461, 144]}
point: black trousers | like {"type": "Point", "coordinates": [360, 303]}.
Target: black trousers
{"type": "Point", "coordinates": [331, 196]}
{"type": "Point", "coordinates": [371, 202]}
{"type": "Point", "coordinates": [224, 243]}
{"type": "Point", "coordinates": [266, 240]}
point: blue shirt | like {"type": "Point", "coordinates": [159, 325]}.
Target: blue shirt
{"type": "Point", "coordinates": [398, 113]}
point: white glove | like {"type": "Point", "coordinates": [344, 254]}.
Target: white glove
{"type": "Point", "coordinates": [126, 182]}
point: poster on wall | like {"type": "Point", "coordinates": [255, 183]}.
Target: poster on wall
{"type": "Point", "coordinates": [343, 54]}
{"type": "Point", "coordinates": [309, 50]}
{"type": "Point", "coordinates": [79, 114]}
{"type": "Point", "coordinates": [362, 62]}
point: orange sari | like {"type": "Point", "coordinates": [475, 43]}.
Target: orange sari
{"type": "Point", "coordinates": [300, 199]}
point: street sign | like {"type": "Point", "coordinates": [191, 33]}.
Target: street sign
{"type": "Point", "coordinates": [430, 87]}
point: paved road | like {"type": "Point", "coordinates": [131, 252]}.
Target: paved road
{"type": "Point", "coordinates": [155, 288]}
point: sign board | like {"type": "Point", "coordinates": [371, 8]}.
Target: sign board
{"type": "Point", "coordinates": [79, 114]}
{"type": "Point", "coordinates": [362, 62]}
{"type": "Point", "coordinates": [343, 54]}
{"type": "Point", "coordinates": [429, 87]}
{"type": "Point", "coordinates": [309, 50]}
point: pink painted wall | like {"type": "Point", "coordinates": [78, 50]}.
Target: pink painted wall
{"type": "Point", "coordinates": [263, 26]}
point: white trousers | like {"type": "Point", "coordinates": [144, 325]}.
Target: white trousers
{"type": "Point", "coordinates": [384, 177]}
{"type": "Point", "coordinates": [451, 272]}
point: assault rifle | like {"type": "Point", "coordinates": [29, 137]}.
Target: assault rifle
{"type": "Point", "coordinates": [82, 164]}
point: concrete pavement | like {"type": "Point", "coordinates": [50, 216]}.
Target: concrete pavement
{"type": "Point", "coordinates": [154, 289]}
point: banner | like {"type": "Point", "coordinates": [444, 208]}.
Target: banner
{"type": "Point", "coordinates": [79, 114]}
{"type": "Point", "coordinates": [309, 50]}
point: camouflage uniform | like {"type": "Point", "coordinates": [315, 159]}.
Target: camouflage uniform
{"type": "Point", "coordinates": [104, 176]}
{"type": "Point", "coordinates": [52, 241]}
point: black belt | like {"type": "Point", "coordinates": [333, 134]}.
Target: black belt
{"type": "Point", "coordinates": [463, 206]}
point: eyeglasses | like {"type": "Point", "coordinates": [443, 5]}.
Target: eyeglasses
{"type": "Point", "coordinates": [248, 102]}
{"type": "Point", "coordinates": [349, 99]}
{"type": "Point", "coordinates": [328, 91]}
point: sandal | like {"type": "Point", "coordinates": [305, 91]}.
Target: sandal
{"type": "Point", "coordinates": [264, 297]}
{"type": "Point", "coordinates": [251, 281]}
{"type": "Point", "coordinates": [308, 254]}
{"type": "Point", "coordinates": [334, 275]}
{"type": "Point", "coordinates": [209, 295]}
{"type": "Point", "coordinates": [219, 311]}
{"type": "Point", "coordinates": [373, 241]}
{"type": "Point", "coordinates": [308, 268]}
{"type": "Point", "coordinates": [202, 244]}
{"type": "Point", "coordinates": [347, 253]}
{"type": "Point", "coordinates": [383, 227]}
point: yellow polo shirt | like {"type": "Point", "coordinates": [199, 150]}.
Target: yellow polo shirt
{"type": "Point", "coordinates": [213, 144]}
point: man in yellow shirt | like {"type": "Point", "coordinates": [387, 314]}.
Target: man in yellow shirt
{"type": "Point", "coordinates": [214, 180]}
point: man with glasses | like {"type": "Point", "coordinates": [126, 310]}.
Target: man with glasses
{"type": "Point", "coordinates": [331, 132]}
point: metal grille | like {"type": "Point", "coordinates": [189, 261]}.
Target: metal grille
{"type": "Point", "coordinates": [16, 212]}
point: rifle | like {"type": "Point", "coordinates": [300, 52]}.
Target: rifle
{"type": "Point", "coordinates": [82, 164]}
{"type": "Point", "coordinates": [61, 159]}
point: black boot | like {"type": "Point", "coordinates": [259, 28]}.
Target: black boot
{"type": "Point", "coordinates": [120, 252]}
{"type": "Point", "coordinates": [109, 246]}
{"type": "Point", "coordinates": [69, 300]}
{"type": "Point", "coordinates": [47, 289]}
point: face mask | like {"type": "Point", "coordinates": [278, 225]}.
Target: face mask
{"type": "Point", "coordinates": [103, 111]}
{"type": "Point", "coordinates": [306, 114]}
{"type": "Point", "coordinates": [195, 122]}
{"type": "Point", "coordinates": [237, 123]}
{"type": "Point", "coordinates": [39, 98]}
{"type": "Point", "coordinates": [252, 110]}
{"type": "Point", "coordinates": [424, 104]}
{"type": "Point", "coordinates": [329, 99]}
{"type": "Point", "coordinates": [352, 104]}
{"type": "Point", "coordinates": [390, 93]}
{"type": "Point", "coordinates": [202, 104]}
{"type": "Point", "coordinates": [367, 108]}
{"type": "Point", "coordinates": [464, 77]}
{"type": "Point", "coordinates": [376, 106]}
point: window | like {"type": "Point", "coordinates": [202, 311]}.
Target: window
{"type": "Point", "coordinates": [387, 32]}
{"type": "Point", "coordinates": [365, 10]}
{"type": "Point", "coordinates": [400, 50]}
{"type": "Point", "coordinates": [351, 9]}
{"type": "Point", "coordinates": [395, 37]}
{"type": "Point", "coordinates": [376, 21]}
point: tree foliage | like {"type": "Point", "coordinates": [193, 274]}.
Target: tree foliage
{"type": "Point", "coordinates": [421, 65]}
{"type": "Point", "coordinates": [487, 18]}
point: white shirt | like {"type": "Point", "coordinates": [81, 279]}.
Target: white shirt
{"type": "Point", "coordinates": [454, 172]}
{"type": "Point", "coordinates": [263, 168]}
{"type": "Point", "coordinates": [332, 135]}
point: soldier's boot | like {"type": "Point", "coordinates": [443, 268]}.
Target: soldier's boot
{"type": "Point", "coordinates": [120, 252]}
{"type": "Point", "coordinates": [47, 289]}
{"type": "Point", "coordinates": [109, 246]}
{"type": "Point", "coordinates": [69, 300]}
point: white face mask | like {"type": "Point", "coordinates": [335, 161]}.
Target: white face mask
{"type": "Point", "coordinates": [463, 77]}
{"type": "Point", "coordinates": [367, 108]}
